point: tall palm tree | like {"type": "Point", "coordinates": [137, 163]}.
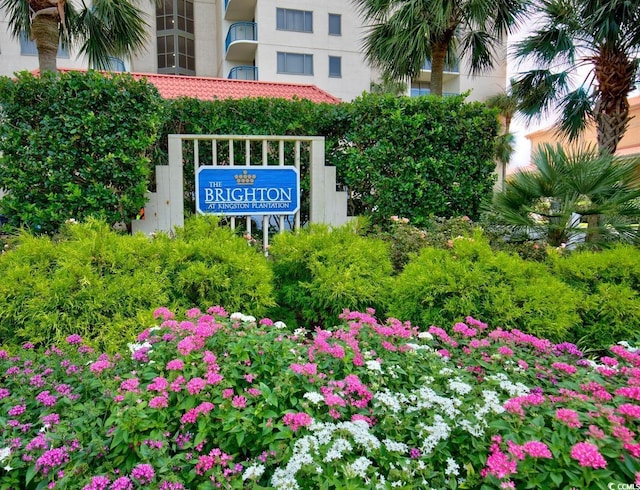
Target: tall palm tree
{"type": "Point", "coordinates": [405, 33]}
{"type": "Point", "coordinates": [507, 104]}
{"type": "Point", "coordinates": [600, 35]}
{"type": "Point", "coordinates": [548, 199]}
{"type": "Point", "coordinates": [103, 29]}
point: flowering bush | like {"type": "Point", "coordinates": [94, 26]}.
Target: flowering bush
{"type": "Point", "coordinates": [213, 400]}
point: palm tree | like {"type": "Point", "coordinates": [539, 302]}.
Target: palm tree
{"type": "Point", "coordinates": [507, 104]}
{"type": "Point", "coordinates": [403, 34]}
{"type": "Point", "coordinates": [549, 199]}
{"type": "Point", "coordinates": [103, 29]}
{"type": "Point", "coordinates": [600, 35]}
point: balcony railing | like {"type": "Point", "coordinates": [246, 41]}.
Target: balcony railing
{"type": "Point", "coordinates": [450, 67]}
{"type": "Point", "coordinates": [417, 92]}
{"type": "Point", "coordinates": [243, 73]}
{"type": "Point", "coordinates": [239, 9]}
{"type": "Point", "coordinates": [241, 40]}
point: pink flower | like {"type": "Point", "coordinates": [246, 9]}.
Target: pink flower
{"type": "Point", "coordinates": [196, 385]}
{"type": "Point", "coordinates": [239, 401]}
{"type": "Point", "coordinates": [99, 366]}
{"type": "Point", "coordinates": [158, 384]}
{"type": "Point", "coordinates": [587, 455]}
{"type": "Point", "coordinates": [499, 465]}
{"type": "Point", "coordinates": [144, 473]}
{"type": "Point", "coordinates": [122, 483]}
{"type": "Point", "coordinates": [74, 339]}
{"type": "Point", "coordinates": [97, 483]}
{"type": "Point", "coordinates": [505, 351]}
{"type": "Point", "coordinates": [630, 410]}
{"type": "Point", "coordinates": [175, 365]}
{"type": "Point", "coordinates": [227, 393]}
{"type": "Point", "coordinates": [569, 417]}
{"type": "Point", "coordinates": [296, 420]}
{"type": "Point", "coordinates": [159, 402]}
{"type": "Point", "coordinates": [567, 368]}
{"type": "Point", "coordinates": [536, 449]}
{"type": "Point", "coordinates": [163, 312]}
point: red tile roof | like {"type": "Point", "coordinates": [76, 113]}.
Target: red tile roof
{"type": "Point", "coordinates": [205, 88]}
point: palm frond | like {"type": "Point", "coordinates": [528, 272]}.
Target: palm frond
{"type": "Point", "coordinates": [538, 91]}
{"type": "Point", "coordinates": [17, 14]}
{"type": "Point", "coordinates": [577, 112]}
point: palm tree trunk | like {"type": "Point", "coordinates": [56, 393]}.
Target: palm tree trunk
{"type": "Point", "coordinates": [45, 32]}
{"type": "Point", "coordinates": [438, 55]}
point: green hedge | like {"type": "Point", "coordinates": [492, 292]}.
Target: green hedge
{"type": "Point", "coordinates": [75, 145]}
{"type": "Point", "coordinates": [319, 272]}
{"type": "Point", "coordinates": [103, 285]}
{"type": "Point", "coordinates": [440, 287]}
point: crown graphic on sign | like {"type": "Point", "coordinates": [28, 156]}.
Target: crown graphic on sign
{"type": "Point", "coordinates": [245, 178]}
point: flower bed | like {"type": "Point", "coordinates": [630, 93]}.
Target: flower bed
{"type": "Point", "coordinates": [219, 401]}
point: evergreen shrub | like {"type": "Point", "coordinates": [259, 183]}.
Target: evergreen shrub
{"type": "Point", "coordinates": [442, 286]}
{"type": "Point", "coordinates": [320, 271]}
{"type": "Point", "coordinates": [75, 145]}
{"type": "Point", "coordinates": [610, 281]}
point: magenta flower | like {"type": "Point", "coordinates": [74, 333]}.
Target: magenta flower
{"type": "Point", "coordinates": [587, 455]}
{"type": "Point", "coordinates": [536, 449]}
{"type": "Point", "coordinates": [98, 483]}
{"type": "Point", "coordinates": [296, 420]}
{"type": "Point", "coordinates": [144, 473]}
{"type": "Point", "coordinates": [239, 401]}
{"type": "Point", "coordinates": [630, 410]}
{"type": "Point", "coordinates": [122, 483]}
{"type": "Point", "coordinates": [159, 402]}
{"type": "Point", "coordinates": [74, 339]}
{"type": "Point", "coordinates": [196, 385]}
{"type": "Point", "coordinates": [51, 459]}
{"type": "Point", "coordinates": [175, 365]}
{"type": "Point", "coordinates": [569, 417]}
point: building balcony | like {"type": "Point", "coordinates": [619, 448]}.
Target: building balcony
{"type": "Point", "coordinates": [451, 71]}
{"type": "Point", "coordinates": [239, 9]}
{"type": "Point", "coordinates": [241, 41]}
{"type": "Point", "coordinates": [417, 92]}
{"type": "Point", "coordinates": [243, 73]}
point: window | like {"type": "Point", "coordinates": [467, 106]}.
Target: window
{"type": "Point", "coordinates": [175, 37]}
{"type": "Point", "coordinates": [335, 66]}
{"type": "Point", "coordinates": [335, 25]}
{"type": "Point", "coordinates": [28, 47]}
{"type": "Point", "coordinates": [294, 20]}
{"type": "Point", "coordinates": [295, 64]}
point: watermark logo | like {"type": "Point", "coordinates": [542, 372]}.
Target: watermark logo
{"type": "Point", "coordinates": [622, 486]}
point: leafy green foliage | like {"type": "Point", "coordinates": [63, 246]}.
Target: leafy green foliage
{"type": "Point", "coordinates": [75, 145]}
{"type": "Point", "coordinates": [417, 157]}
{"type": "Point", "coordinates": [93, 281]}
{"type": "Point", "coordinates": [610, 280]}
{"type": "Point", "coordinates": [208, 265]}
{"type": "Point", "coordinates": [443, 286]}
{"type": "Point", "coordinates": [319, 272]}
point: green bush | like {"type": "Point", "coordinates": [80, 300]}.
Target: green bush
{"type": "Point", "coordinates": [75, 145]}
{"type": "Point", "coordinates": [610, 280]}
{"type": "Point", "coordinates": [103, 285]}
{"type": "Point", "coordinates": [444, 286]}
{"type": "Point", "coordinates": [319, 272]}
{"type": "Point", "coordinates": [210, 265]}
{"type": "Point", "coordinates": [90, 280]}
{"type": "Point", "coordinates": [416, 157]}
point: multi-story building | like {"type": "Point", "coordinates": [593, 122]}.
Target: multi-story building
{"type": "Point", "coordinates": [294, 41]}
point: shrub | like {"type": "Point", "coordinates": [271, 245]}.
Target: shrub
{"type": "Point", "coordinates": [90, 280]}
{"type": "Point", "coordinates": [75, 145]}
{"type": "Point", "coordinates": [207, 263]}
{"type": "Point", "coordinates": [319, 271]}
{"type": "Point", "coordinates": [416, 157]}
{"type": "Point", "coordinates": [439, 286]}
{"type": "Point", "coordinates": [103, 285]}
{"type": "Point", "coordinates": [206, 400]}
{"type": "Point", "coordinates": [610, 280]}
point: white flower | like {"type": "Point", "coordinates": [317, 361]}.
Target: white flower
{"type": "Point", "coordinates": [373, 366]}
{"type": "Point", "coordinates": [5, 452]}
{"type": "Point", "coordinates": [457, 386]}
{"type": "Point", "coordinates": [425, 335]}
{"type": "Point", "coordinates": [136, 347]}
{"type": "Point", "coordinates": [452, 467]}
{"type": "Point", "coordinates": [339, 447]}
{"type": "Point", "coordinates": [8, 468]}
{"type": "Point", "coordinates": [241, 317]}
{"type": "Point", "coordinates": [279, 325]}
{"type": "Point", "coordinates": [313, 397]}
{"type": "Point", "coordinates": [359, 466]}
{"type": "Point", "coordinates": [253, 472]}
{"type": "Point", "coordinates": [394, 446]}
{"type": "Point", "coordinates": [300, 332]}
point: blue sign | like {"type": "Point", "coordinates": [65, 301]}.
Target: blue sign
{"type": "Point", "coordinates": [247, 190]}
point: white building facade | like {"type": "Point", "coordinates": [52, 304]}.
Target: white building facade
{"type": "Point", "coordinates": [293, 41]}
